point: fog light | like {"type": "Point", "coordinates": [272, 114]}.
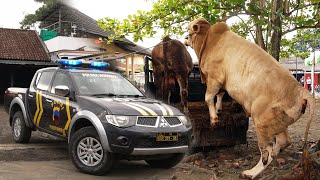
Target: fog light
{"type": "Point", "coordinates": [123, 140]}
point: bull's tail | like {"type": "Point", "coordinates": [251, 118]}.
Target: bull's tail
{"type": "Point", "coordinates": [306, 157]}
{"type": "Point", "coordinates": [311, 102]}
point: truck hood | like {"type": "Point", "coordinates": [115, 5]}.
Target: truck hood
{"type": "Point", "coordinates": [135, 106]}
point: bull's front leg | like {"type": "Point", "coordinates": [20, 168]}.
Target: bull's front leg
{"type": "Point", "coordinates": [219, 101]}
{"type": "Point", "coordinates": [213, 88]}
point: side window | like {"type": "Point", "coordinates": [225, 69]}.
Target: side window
{"type": "Point", "coordinates": [43, 80]}
{"type": "Point", "coordinates": [60, 79]}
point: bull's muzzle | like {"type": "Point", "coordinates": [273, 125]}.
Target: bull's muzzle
{"type": "Point", "coordinates": [186, 41]}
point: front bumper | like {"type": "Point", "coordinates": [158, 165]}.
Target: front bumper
{"type": "Point", "coordinates": [137, 140]}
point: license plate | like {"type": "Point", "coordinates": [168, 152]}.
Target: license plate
{"type": "Point", "coordinates": [167, 137]}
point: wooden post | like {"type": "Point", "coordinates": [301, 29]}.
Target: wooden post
{"type": "Point", "coordinates": [127, 67]}
{"type": "Point", "coordinates": [132, 66]}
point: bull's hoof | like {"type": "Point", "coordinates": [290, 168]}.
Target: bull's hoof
{"type": "Point", "coordinates": [214, 123]}
{"type": "Point", "coordinates": [219, 112]}
{"type": "Point", "coordinates": [243, 175]}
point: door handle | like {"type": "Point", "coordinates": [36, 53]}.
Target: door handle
{"type": "Point", "coordinates": [49, 101]}
{"type": "Point", "coordinates": [30, 95]}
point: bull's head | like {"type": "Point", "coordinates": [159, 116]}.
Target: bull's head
{"type": "Point", "coordinates": [195, 28]}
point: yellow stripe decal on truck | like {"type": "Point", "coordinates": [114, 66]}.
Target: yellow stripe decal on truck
{"type": "Point", "coordinates": [41, 108]}
{"type": "Point", "coordinates": [68, 115]}
{"type": "Point", "coordinates": [164, 112]}
{"type": "Point", "coordinates": [169, 109]}
{"type": "Point", "coordinates": [144, 113]}
{"type": "Point", "coordinates": [38, 109]}
{"type": "Point", "coordinates": [145, 108]}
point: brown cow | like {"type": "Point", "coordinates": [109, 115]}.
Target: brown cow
{"type": "Point", "coordinates": [267, 91]}
{"type": "Point", "coordinates": [171, 61]}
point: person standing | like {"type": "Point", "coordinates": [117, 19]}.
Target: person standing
{"type": "Point", "coordinates": [302, 81]}
{"type": "Point", "coordinates": [309, 83]}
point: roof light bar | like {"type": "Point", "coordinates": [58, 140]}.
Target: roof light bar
{"type": "Point", "coordinates": [70, 62]}
{"type": "Point", "coordinates": [99, 64]}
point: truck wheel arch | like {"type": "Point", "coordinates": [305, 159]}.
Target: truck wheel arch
{"type": "Point", "coordinates": [18, 105]}
{"type": "Point", "coordinates": [89, 118]}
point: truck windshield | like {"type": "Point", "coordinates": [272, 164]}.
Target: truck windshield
{"type": "Point", "coordinates": [104, 84]}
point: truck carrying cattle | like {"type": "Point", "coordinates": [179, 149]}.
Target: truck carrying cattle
{"type": "Point", "coordinates": [233, 125]}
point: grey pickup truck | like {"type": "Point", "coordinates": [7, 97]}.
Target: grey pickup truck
{"type": "Point", "coordinates": [103, 116]}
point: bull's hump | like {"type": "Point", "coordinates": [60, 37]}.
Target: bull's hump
{"type": "Point", "coordinates": [220, 27]}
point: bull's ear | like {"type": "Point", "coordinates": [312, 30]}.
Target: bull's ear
{"type": "Point", "coordinates": [196, 28]}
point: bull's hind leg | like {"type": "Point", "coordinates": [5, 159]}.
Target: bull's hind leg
{"type": "Point", "coordinates": [212, 90]}
{"type": "Point", "coordinates": [282, 141]}
{"type": "Point", "coordinates": [183, 84]}
{"type": "Point", "coordinates": [261, 166]}
{"type": "Point", "coordinates": [269, 125]}
{"type": "Point", "coordinates": [265, 145]}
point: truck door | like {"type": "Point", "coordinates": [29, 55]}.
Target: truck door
{"type": "Point", "coordinates": [61, 108]}
{"type": "Point", "coordinates": [38, 88]}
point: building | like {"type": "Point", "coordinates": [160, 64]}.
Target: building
{"type": "Point", "coordinates": [70, 34]}
{"type": "Point", "coordinates": [22, 53]}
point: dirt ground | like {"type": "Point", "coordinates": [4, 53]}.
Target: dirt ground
{"type": "Point", "coordinates": [220, 163]}
{"type": "Point", "coordinates": [228, 163]}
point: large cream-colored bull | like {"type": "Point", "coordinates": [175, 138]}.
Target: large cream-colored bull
{"type": "Point", "coordinates": [267, 91]}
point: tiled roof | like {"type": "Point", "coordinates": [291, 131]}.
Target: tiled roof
{"type": "Point", "coordinates": [16, 44]}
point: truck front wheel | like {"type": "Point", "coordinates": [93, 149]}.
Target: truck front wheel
{"type": "Point", "coordinates": [20, 131]}
{"type": "Point", "coordinates": [87, 153]}
{"type": "Point", "coordinates": [166, 163]}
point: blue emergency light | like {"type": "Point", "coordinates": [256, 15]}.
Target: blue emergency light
{"type": "Point", "coordinates": [70, 62]}
{"type": "Point", "coordinates": [99, 64]}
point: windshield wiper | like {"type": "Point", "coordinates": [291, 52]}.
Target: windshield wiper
{"type": "Point", "coordinates": [105, 94]}
{"type": "Point", "coordinates": [136, 95]}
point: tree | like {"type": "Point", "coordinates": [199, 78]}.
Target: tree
{"type": "Point", "coordinates": [264, 21]}
{"type": "Point", "coordinates": [30, 19]}
{"type": "Point", "coordinates": [302, 43]}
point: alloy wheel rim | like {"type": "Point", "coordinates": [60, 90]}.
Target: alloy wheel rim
{"type": "Point", "coordinates": [17, 127]}
{"type": "Point", "coordinates": [90, 151]}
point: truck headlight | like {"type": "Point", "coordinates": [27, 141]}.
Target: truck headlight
{"type": "Point", "coordinates": [121, 121]}
{"type": "Point", "coordinates": [185, 121]}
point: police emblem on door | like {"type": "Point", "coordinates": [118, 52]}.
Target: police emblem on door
{"type": "Point", "coordinates": [57, 107]}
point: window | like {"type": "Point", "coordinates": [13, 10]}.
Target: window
{"type": "Point", "coordinates": [44, 80]}
{"type": "Point", "coordinates": [60, 79]}
{"type": "Point", "coordinates": [104, 83]}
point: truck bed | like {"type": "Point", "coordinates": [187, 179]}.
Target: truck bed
{"type": "Point", "coordinates": [11, 93]}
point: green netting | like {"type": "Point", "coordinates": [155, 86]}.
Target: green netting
{"type": "Point", "coordinates": [46, 35]}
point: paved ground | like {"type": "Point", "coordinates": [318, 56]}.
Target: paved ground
{"type": "Point", "coordinates": [46, 157]}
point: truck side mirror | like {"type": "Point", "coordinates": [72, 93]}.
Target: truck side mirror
{"type": "Point", "coordinates": [61, 90]}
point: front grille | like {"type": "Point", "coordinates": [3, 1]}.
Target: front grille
{"type": "Point", "coordinates": [152, 143]}
{"type": "Point", "coordinates": [147, 121]}
{"type": "Point", "coordinates": [172, 120]}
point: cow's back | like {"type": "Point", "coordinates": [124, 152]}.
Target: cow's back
{"type": "Point", "coordinates": [177, 57]}
{"type": "Point", "coordinates": [251, 72]}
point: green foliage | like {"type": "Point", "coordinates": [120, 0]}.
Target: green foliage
{"type": "Point", "coordinates": [304, 42]}
{"type": "Point", "coordinates": [171, 17]}
{"type": "Point", "coordinates": [30, 19]}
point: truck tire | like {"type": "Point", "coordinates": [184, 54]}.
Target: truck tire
{"type": "Point", "coordinates": [20, 131]}
{"type": "Point", "coordinates": [87, 153]}
{"type": "Point", "coordinates": [166, 163]}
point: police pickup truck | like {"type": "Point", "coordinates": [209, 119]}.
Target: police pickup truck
{"type": "Point", "coordinates": [103, 116]}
